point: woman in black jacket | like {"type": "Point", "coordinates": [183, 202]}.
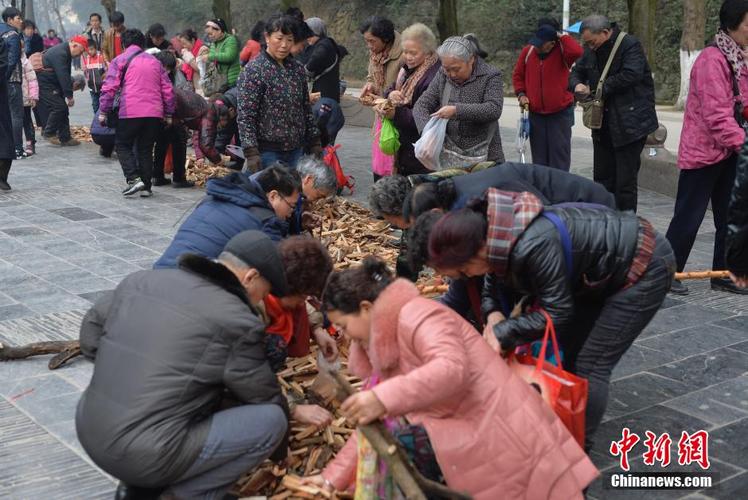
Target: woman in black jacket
{"type": "Point", "coordinates": [736, 241]}
{"type": "Point", "coordinates": [600, 275]}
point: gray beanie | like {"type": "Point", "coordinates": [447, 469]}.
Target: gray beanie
{"type": "Point", "coordinates": [317, 25]}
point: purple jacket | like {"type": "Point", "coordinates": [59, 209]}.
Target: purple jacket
{"type": "Point", "coordinates": [147, 91]}
{"type": "Point", "coordinates": [710, 132]}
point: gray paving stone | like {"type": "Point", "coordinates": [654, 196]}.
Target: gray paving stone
{"type": "Point", "coordinates": [693, 340]}
{"type": "Point", "coordinates": [639, 358]}
{"type": "Point", "coordinates": [641, 391]}
{"type": "Point", "coordinates": [5, 300]}
{"type": "Point", "coordinates": [105, 265]}
{"type": "Point", "coordinates": [729, 444]}
{"type": "Point", "coordinates": [680, 318]}
{"type": "Point", "coordinates": [739, 323]}
{"type": "Point", "coordinates": [730, 489]}
{"type": "Point", "coordinates": [706, 369]}
{"type": "Point", "coordinates": [53, 410]}
{"type": "Point", "coordinates": [78, 214]}
{"type": "Point", "coordinates": [14, 311]}
{"type": "Point", "coordinates": [78, 281]}
{"type": "Point", "coordinates": [719, 404]}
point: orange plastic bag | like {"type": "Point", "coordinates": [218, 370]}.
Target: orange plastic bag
{"type": "Point", "coordinates": [565, 392]}
{"type": "Point", "coordinates": [168, 161]}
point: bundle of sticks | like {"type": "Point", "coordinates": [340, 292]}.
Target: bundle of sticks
{"type": "Point", "coordinates": [199, 171]}
{"type": "Point", "coordinates": [80, 133]}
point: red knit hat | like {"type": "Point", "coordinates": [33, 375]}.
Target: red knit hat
{"type": "Point", "coordinates": [80, 39]}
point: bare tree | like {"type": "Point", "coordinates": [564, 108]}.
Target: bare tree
{"type": "Point", "coordinates": [446, 21]}
{"type": "Point", "coordinates": [55, 6]}
{"type": "Point", "coordinates": [110, 6]}
{"type": "Point", "coordinates": [222, 10]}
{"type": "Point", "coordinates": [28, 10]}
{"type": "Point", "coordinates": [691, 43]}
{"type": "Point", "coordinates": [642, 23]}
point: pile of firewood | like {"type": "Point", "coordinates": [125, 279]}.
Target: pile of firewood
{"type": "Point", "coordinates": [82, 134]}
{"type": "Point", "coordinates": [199, 171]}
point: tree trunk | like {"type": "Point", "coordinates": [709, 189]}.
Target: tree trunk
{"type": "Point", "coordinates": [642, 24]}
{"type": "Point", "coordinates": [110, 6]}
{"type": "Point", "coordinates": [446, 21]}
{"type": "Point", "coordinates": [65, 350]}
{"type": "Point", "coordinates": [691, 43]}
{"type": "Point", "coordinates": [222, 10]}
{"type": "Point", "coordinates": [56, 10]}
{"type": "Point", "coordinates": [28, 12]}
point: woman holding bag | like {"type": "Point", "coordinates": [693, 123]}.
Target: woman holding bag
{"type": "Point", "coordinates": [469, 93]}
{"type": "Point", "coordinates": [420, 66]}
{"type": "Point", "coordinates": [600, 275]}
{"type": "Point", "coordinates": [492, 436]}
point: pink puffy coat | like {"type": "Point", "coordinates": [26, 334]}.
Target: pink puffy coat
{"type": "Point", "coordinates": [710, 133]}
{"type": "Point", "coordinates": [147, 91]}
{"type": "Point", "coordinates": [29, 84]}
{"type": "Point", "coordinates": [492, 434]}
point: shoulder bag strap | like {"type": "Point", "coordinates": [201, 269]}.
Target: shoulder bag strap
{"type": "Point", "coordinates": [565, 240]}
{"type": "Point", "coordinates": [447, 91]}
{"type": "Point", "coordinates": [124, 68]}
{"type": "Point", "coordinates": [327, 70]}
{"type": "Point", "coordinates": [604, 74]}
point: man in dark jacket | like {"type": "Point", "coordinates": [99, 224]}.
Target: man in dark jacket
{"type": "Point", "coordinates": [169, 346]}
{"type": "Point", "coordinates": [10, 30]}
{"type": "Point", "coordinates": [56, 89]}
{"type": "Point", "coordinates": [7, 148]}
{"type": "Point", "coordinates": [736, 241]}
{"type": "Point", "coordinates": [629, 115]}
{"type": "Point", "coordinates": [234, 204]}
{"type": "Point", "coordinates": [541, 80]}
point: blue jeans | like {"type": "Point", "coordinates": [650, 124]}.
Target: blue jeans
{"type": "Point", "coordinates": [290, 158]}
{"type": "Point", "coordinates": [95, 101]}
{"type": "Point", "coordinates": [239, 439]}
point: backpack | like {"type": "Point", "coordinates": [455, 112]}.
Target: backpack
{"type": "Point", "coordinates": [331, 159]}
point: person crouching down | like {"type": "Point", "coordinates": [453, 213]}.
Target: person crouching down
{"type": "Point", "coordinates": [169, 346]}
{"type": "Point", "coordinates": [491, 434]}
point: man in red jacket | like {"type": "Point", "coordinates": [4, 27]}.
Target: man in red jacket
{"type": "Point", "coordinates": [541, 78]}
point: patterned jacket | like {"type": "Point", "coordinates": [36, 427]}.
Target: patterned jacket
{"type": "Point", "coordinates": [274, 109]}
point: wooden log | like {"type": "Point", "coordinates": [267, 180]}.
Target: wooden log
{"type": "Point", "coordinates": [701, 275]}
{"type": "Point", "coordinates": [411, 482]}
{"type": "Point", "coordinates": [63, 357]}
{"type": "Point", "coordinates": [8, 352]}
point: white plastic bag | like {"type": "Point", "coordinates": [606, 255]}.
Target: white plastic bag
{"type": "Point", "coordinates": [429, 147]}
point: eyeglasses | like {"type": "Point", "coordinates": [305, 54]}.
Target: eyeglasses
{"type": "Point", "coordinates": [292, 207]}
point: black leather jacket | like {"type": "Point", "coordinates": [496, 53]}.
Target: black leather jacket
{"type": "Point", "coordinates": [736, 241]}
{"type": "Point", "coordinates": [603, 246]}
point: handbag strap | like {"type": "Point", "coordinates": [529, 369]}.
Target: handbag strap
{"type": "Point", "coordinates": [565, 240]}
{"type": "Point", "coordinates": [604, 74]}
{"type": "Point", "coordinates": [127, 65]}
{"type": "Point", "coordinates": [327, 70]}
{"type": "Point", "coordinates": [550, 333]}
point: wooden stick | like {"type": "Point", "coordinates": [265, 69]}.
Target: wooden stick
{"type": "Point", "coordinates": [701, 275]}
{"type": "Point", "coordinates": [408, 478]}
{"type": "Point", "coordinates": [64, 356]}
{"type": "Point", "coordinates": [8, 352]}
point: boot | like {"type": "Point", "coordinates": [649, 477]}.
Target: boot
{"type": "Point", "coordinates": [4, 171]}
{"type": "Point", "coordinates": [127, 492]}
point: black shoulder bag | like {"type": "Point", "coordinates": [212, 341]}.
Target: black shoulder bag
{"type": "Point", "coordinates": [112, 117]}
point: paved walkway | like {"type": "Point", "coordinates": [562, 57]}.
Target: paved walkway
{"type": "Point", "coordinates": [67, 235]}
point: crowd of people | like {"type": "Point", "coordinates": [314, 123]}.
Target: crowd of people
{"type": "Point", "coordinates": [184, 397]}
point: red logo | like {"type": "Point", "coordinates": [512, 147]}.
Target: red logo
{"type": "Point", "coordinates": [692, 448]}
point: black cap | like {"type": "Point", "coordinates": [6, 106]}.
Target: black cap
{"type": "Point", "coordinates": [258, 251]}
{"type": "Point", "coordinates": [545, 33]}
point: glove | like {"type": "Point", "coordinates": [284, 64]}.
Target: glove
{"type": "Point", "coordinates": [252, 160]}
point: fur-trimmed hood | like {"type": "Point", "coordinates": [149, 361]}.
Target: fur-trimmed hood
{"type": "Point", "coordinates": [382, 354]}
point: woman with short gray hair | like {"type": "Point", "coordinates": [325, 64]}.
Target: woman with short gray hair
{"type": "Point", "coordinates": [470, 94]}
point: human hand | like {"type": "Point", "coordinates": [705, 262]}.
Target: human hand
{"type": "Point", "coordinates": [582, 89]}
{"type": "Point", "coordinates": [102, 119]}
{"type": "Point", "coordinates": [363, 408]}
{"type": "Point", "coordinates": [445, 112]}
{"type": "Point", "coordinates": [524, 101]}
{"type": "Point", "coordinates": [34, 102]}
{"type": "Point", "coordinates": [493, 319]}
{"type": "Point", "coordinates": [326, 343]}
{"type": "Point", "coordinates": [168, 121]}
{"type": "Point", "coordinates": [365, 91]}
{"type": "Point", "coordinates": [71, 102]}
{"type": "Point", "coordinates": [741, 281]}
{"type": "Point", "coordinates": [314, 97]}
{"type": "Point", "coordinates": [252, 160]}
{"type": "Point", "coordinates": [312, 415]}
{"type": "Point", "coordinates": [396, 97]}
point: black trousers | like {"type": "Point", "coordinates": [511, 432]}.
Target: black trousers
{"type": "Point", "coordinates": [176, 137]}
{"type": "Point", "coordinates": [604, 329]}
{"type": "Point", "coordinates": [58, 113]}
{"type": "Point", "coordinates": [141, 133]}
{"type": "Point", "coordinates": [617, 169]}
{"type": "Point", "coordinates": [550, 138]}
{"type": "Point", "coordinates": [28, 126]}
{"type": "Point", "coordinates": [696, 188]}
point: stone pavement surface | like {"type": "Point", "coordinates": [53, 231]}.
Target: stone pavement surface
{"type": "Point", "coordinates": [67, 235]}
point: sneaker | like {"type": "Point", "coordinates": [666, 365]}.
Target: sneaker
{"type": "Point", "coordinates": [182, 184]}
{"type": "Point", "coordinates": [21, 154]}
{"type": "Point", "coordinates": [726, 285]}
{"type": "Point", "coordinates": [133, 186]}
{"type": "Point", "coordinates": [678, 288]}
{"type": "Point", "coordinates": [146, 193]}
{"type": "Point", "coordinates": [71, 142]}
{"type": "Point", "coordinates": [161, 182]}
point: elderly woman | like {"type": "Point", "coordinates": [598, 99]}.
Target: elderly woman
{"type": "Point", "coordinates": [224, 50]}
{"type": "Point", "coordinates": [191, 45]}
{"type": "Point", "coordinates": [275, 118]}
{"type": "Point", "coordinates": [713, 133]}
{"type": "Point", "coordinates": [469, 93]}
{"type": "Point", "coordinates": [420, 66]}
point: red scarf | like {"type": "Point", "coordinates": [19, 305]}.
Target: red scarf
{"type": "Point", "coordinates": [281, 320]}
{"type": "Point", "coordinates": [188, 70]}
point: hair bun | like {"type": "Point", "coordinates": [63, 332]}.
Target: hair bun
{"type": "Point", "coordinates": [376, 268]}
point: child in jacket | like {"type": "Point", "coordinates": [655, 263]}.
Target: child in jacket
{"type": "Point", "coordinates": [30, 87]}
{"type": "Point", "coordinates": [94, 66]}
{"type": "Point", "coordinates": [491, 433]}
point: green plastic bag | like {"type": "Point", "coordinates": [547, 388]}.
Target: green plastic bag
{"type": "Point", "coordinates": [389, 138]}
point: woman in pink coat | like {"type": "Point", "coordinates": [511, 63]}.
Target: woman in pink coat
{"type": "Point", "coordinates": [492, 435]}
{"type": "Point", "coordinates": [713, 133]}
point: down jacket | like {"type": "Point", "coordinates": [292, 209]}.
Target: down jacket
{"type": "Point", "coordinates": [628, 90]}
{"type": "Point", "coordinates": [479, 101]}
{"type": "Point", "coordinates": [146, 92]}
{"type": "Point", "coordinates": [233, 204]}
{"type": "Point", "coordinates": [492, 434]}
{"type": "Point", "coordinates": [167, 344]}
{"type": "Point", "coordinates": [57, 62]}
{"type": "Point", "coordinates": [736, 240]}
{"type": "Point", "coordinates": [603, 243]}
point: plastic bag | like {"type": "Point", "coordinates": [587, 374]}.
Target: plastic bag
{"type": "Point", "coordinates": [389, 138]}
{"type": "Point", "coordinates": [429, 147]}
{"type": "Point", "coordinates": [381, 164]}
{"type": "Point", "coordinates": [324, 385]}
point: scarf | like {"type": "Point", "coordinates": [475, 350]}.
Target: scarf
{"type": "Point", "coordinates": [188, 70]}
{"type": "Point", "coordinates": [377, 61]}
{"type": "Point", "coordinates": [509, 214]}
{"type": "Point", "coordinates": [281, 320]}
{"type": "Point", "coordinates": [406, 83]}
{"type": "Point", "coordinates": [732, 52]}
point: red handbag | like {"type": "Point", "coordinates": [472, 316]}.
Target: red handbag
{"type": "Point", "coordinates": [565, 392]}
